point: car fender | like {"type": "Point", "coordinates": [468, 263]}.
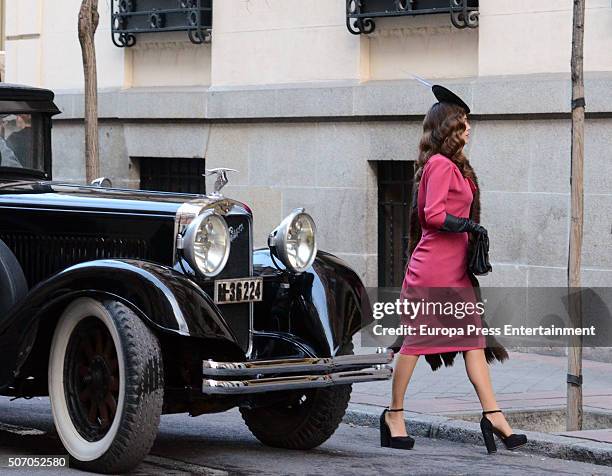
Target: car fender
{"type": "Point", "coordinates": [329, 300]}
{"type": "Point", "coordinates": [165, 299]}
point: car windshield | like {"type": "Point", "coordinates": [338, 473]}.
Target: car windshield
{"type": "Point", "coordinates": [21, 141]}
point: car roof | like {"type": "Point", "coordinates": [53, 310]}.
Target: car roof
{"type": "Point", "coordinates": [21, 98]}
{"type": "Point", "coordinates": [19, 91]}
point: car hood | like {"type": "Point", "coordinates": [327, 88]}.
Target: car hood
{"type": "Point", "coordinates": [52, 195]}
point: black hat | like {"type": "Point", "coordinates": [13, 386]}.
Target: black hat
{"type": "Point", "coordinates": [446, 95]}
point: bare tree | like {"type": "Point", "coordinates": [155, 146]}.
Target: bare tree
{"type": "Point", "coordinates": [574, 368]}
{"type": "Point", "coordinates": [88, 24]}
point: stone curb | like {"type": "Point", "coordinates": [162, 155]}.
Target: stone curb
{"type": "Point", "coordinates": [431, 426]}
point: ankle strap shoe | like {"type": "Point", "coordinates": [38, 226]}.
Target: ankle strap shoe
{"type": "Point", "coordinates": [511, 442]}
{"type": "Point", "coordinates": [388, 441]}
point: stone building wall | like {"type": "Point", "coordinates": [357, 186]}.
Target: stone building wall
{"type": "Point", "coordinates": [304, 110]}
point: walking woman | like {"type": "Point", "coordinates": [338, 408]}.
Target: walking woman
{"type": "Point", "coordinates": [444, 221]}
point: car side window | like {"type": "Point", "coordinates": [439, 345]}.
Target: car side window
{"type": "Point", "coordinates": [18, 141]}
{"type": "Point", "coordinates": [7, 156]}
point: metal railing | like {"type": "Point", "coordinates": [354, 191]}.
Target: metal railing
{"type": "Point", "coordinates": [360, 14]}
{"type": "Point", "coordinates": [131, 17]}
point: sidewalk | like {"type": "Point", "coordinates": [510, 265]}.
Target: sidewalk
{"type": "Point", "coordinates": [525, 382]}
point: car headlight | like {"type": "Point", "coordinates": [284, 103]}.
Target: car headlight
{"type": "Point", "coordinates": [294, 241]}
{"type": "Point", "coordinates": [206, 243]}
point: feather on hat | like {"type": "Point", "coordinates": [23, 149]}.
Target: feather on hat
{"type": "Point", "coordinates": [443, 94]}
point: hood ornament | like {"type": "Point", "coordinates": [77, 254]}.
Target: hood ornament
{"type": "Point", "coordinates": [221, 180]}
{"type": "Point", "coordinates": [102, 182]}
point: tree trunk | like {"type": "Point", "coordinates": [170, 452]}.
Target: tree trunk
{"type": "Point", "coordinates": [88, 24]}
{"type": "Point", "coordinates": [574, 378]}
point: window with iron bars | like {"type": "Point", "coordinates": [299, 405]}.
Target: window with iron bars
{"type": "Point", "coordinates": [395, 180]}
{"type": "Point", "coordinates": [361, 14]}
{"type": "Point", "coordinates": [182, 175]}
{"type": "Point", "coordinates": [132, 17]}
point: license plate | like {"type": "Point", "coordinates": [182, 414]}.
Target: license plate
{"type": "Point", "coordinates": [238, 290]}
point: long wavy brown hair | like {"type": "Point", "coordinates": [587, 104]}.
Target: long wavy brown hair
{"type": "Point", "coordinates": [443, 127]}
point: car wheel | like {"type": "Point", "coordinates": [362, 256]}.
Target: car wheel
{"type": "Point", "coordinates": [308, 419]}
{"type": "Point", "coordinates": [106, 385]}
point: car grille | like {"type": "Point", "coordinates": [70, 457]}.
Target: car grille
{"type": "Point", "coordinates": [239, 261]}
{"type": "Point", "coordinates": [238, 316]}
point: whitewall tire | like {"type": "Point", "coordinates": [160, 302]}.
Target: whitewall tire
{"type": "Point", "coordinates": [105, 385]}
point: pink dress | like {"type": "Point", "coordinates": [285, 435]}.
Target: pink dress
{"type": "Point", "coordinates": [440, 258]}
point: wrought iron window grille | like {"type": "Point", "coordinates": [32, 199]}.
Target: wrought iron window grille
{"type": "Point", "coordinates": [395, 179]}
{"type": "Point", "coordinates": [130, 17]}
{"type": "Point", "coordinates": [182, 175]}
{"type": "Point", "coordinates": [360, 14]}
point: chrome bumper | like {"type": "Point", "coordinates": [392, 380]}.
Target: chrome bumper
{"type": "Point", "coordinates": [290, 374]}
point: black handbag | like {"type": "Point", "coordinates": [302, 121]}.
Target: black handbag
{"type": "Point", "coordinates": [478, 260]}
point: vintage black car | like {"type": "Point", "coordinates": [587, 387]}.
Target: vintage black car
{"type": "Point", "coordinates": [121, 305]}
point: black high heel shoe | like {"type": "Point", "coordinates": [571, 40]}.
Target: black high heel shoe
{"type": "Point", "coordinates": [388, 441]}
{"type": "Point", "coordinates": [511, 442]}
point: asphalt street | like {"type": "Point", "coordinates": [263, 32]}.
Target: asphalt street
{"type": "Point", "coordinates": [221, 444]}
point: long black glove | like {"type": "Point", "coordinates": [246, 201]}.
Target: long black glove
{"type": "Point", "coordinates": [459, 224]}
